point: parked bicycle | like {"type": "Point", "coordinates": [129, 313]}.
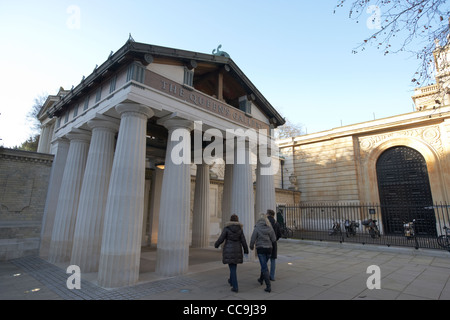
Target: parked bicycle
{"type": "Point", "coordinates": [408, 229]}
{"type": "Point", "coordinates": [286, 232]}
{"type": "Point", "coordinates": [444, 239]}
{"type": "Point", "coordinates": [350, 227]}
{"type": "Point", "coordinates": [372, 226]}
{"type": "Point", "coordinates": [335, 229]}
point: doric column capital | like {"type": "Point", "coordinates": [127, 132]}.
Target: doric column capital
{"type": "Point", "coordinates": [98, 123]}
{"type": "Point", "coordinates": [178, 123]}
{"type": "Point", "coordinates": [79, 136]}
{"type": "Point", "coordinates": [60, 140]}
{"type": "Point", "coordinates": [134, 108]}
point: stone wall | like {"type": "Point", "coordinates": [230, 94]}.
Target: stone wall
{"type": "Point", "coordinates": [324, 169]}
{"type": "Point", "coordinates": [24, 180]}
{"type": "Point", "coordinates": [287, 197]}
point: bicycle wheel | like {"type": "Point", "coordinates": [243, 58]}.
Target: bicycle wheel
{"type": "Point", "coordinates": [290, 233]}
{"type": "Point", "coordinates": [443, 241]}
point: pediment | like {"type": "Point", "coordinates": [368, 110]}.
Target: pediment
{"type": "Point", "coordinates": [215, 75]}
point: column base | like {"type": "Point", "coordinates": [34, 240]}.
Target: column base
{"type": "Point", "coordinates": [118, 270]}
{"type": "Point", "coordinates": [172, 262]}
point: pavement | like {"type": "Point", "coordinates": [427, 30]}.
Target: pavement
{"type": "Point", "coordinates": [306, 270]}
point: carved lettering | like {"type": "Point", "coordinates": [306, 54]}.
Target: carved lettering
{"type": "Point", "coordinates": [200, 99]}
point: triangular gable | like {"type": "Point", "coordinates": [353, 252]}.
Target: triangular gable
{"type": "Point", "coordinates": [214, 75]}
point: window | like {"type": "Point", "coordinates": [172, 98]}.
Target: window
{"type": "Point", "coordinates": [136, 72]}
{"type": "Point", "coordinates": [75, 110]}
{"type": "Point", "coordinates": [188, 77]}
{"type": "Point", "coordinates": [245, 105]}
{"type": "Point", "coordinates": [98, 95]}
{"type": "Point", "coordinates": [86, 103]}
{"type": "Point", "coordinates": [112, 84]}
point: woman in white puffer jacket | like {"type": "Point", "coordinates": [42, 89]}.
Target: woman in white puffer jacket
{"type": "Point", "coordinates": [262, 238]}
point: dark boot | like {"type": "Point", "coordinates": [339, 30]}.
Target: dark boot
{"type": "Point", "coordinates": [261, 279]}
{"type": "Point", "coordinates": [267, 280]}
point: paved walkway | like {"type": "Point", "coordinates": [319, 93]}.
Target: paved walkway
{"type": "Point", "coordinates": [305, 270]}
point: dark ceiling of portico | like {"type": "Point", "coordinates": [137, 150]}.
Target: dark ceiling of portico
{"type": "Point", "coordinates": [156, 134]}
{"type": "Point", "coordinates": [206, 79]}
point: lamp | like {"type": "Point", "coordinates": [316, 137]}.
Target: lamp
{"type": "Point", "coordinates": [160, 166]}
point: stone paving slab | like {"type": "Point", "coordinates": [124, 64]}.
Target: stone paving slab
{"type": "Point", "coordinates": [305, 271]}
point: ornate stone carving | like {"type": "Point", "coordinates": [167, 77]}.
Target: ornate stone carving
{"type": "Point", "coordinates": [429, 135]}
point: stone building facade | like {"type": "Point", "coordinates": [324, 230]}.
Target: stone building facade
{"type": "Point", "coordinates": [340, 165]}
{"type": "Point", "coordinates": [400, 160]}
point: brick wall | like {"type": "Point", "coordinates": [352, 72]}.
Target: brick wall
{"type": "Point", "coordinates": [24, 180]}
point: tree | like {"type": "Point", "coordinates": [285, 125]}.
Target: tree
{"type": "Point", "coordinates": [33, 113]}
{"type": "Point", "coordinates": [31, 144]}
{"type": "Point", "coordinates": [288, 130]}
{"type": "Point", "coordinates": [400, 25]}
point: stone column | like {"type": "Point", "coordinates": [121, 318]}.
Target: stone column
{"type": "Point", "coordinates": [201, 217]}
{"type": "Point", "coordinates": [226, 198]}
{"type": "Point", "coordinates": [155, 199]}
{"type": "Point", "coordinates": [61, 145]}
{"type": "Point", "coordinates": [91, 207]}
{"type": "Point", "coordinates": [173, 231]}
{"type": "Point", "coordinates": [146, 231]}
{"type": "Point", "coordinates": [265, 188]}
{"type": "Point", "coordinates": [66, 210]}
{"type": "Point", "coordinates": [122, 226]}
{"type": "Point", "coordinates": [43, 139]}
{"type": "Point", "coordinates": [242, 199]}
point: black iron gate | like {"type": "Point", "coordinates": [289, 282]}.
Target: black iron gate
{"type": "Point", "coordinates": [404, 191]}
{"type": "Point", "coordinates": [316, 221]}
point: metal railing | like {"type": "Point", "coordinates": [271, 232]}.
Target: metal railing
{"type": "Point", "coordinates": [372, 223]}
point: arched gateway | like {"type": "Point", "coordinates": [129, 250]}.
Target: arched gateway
{"type": "Point", "coordinates": [404, 190]}
{"type": "Point", "coordinates": [148, 105]}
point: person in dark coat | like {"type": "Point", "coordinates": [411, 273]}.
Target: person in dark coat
{"type": "Point", "coordinates": [277, 230]}
{"type": "Point", "coordinates": [280, 218]}
{"type": "Point", "coordinates": [234, 238]}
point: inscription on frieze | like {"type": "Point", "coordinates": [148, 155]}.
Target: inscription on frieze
{"type": "Point", "coordinates": [201, 100]}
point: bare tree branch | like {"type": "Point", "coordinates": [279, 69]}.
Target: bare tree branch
{"type": "Point", "coordinates": [288, 130]}
{"type": "Point", "coordinates": [32, 114]}
{"type": "Point", "coordinates": [404, 25]}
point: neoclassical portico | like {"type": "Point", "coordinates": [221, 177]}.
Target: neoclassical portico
{"type": "Point", "coordinates": [139, 109]}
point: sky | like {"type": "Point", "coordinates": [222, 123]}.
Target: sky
{"type": "Point", "coordinates": [297, 53]}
